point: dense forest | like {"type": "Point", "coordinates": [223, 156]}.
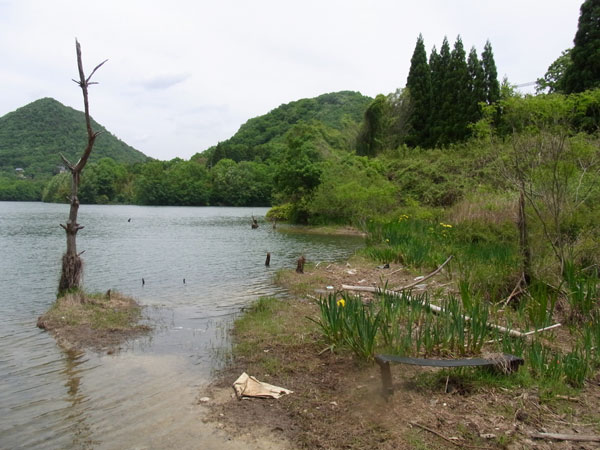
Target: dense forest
{"type": "Point", "coordinates": [33, 137]}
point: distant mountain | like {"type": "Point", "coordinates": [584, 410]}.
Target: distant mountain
{"type": "Point", "coordinates": [253, 138]}
{"type": "Point", "coordinates": [33, 136]}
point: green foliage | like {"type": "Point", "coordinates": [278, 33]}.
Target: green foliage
{"type": "Point", "coordinates": [258, 137]}
{"type": "Point", "coordinates": [491, 85]}
{"type": "Point", "coordinates": [13, 189]}
{"type": "Point", "coordinates": [240, 184]}
{"type": "Point", "coordinates": [351, 189]}
{"type": "Point", "coordinates": [361, 327]}
{"type": "Point", "coordinates": [439, 65]}
{"type": "Point", "coordinates": [386, 123]}
{"type": "Point", "coordinates": [58, 189]}
{"type": "Point", "coordinates": [584, 72]}
{"type": "Point", "coordinates": [459, 86]}
{"type": "Point", "coordinates": [582, 291]}
{"type": "Point", "coordinates": [280, 213]}
{"type": "Point", "coordinates": [475, 87]}
{"type": "Point", "coordinates": [554, 78]}
{"type": "Point", "coordinates": [332, 320]}
{"type": "Point", "coordinates": [104, 181]}
{"type": "Point", "coordinates": [418, 84]}
{"type": "Point", "coordinates": [176, 182]}
{"type": "Point", "coordinates": [34, 136]}
{"type": "Point", "coordinates": [455, 109]}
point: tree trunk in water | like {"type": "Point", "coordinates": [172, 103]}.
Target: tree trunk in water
{"type": "Point", "coordinates": [72, 265]}
{"type": "Point", "coordinates": [268, 260]}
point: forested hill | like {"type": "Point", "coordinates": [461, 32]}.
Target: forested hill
{"type": "Point", "coordinates": [33, 136]}
{"type": "Point", "coordinates": [253, 138]}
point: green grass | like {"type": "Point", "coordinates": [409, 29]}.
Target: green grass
{"type": "Point", "coordinates": [97, 311]}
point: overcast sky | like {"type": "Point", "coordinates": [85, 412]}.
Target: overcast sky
{"type": "Point", "coordinates": [183, 75]}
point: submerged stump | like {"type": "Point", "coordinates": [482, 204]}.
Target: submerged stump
{"type": "Point", "coordinates": [300, 266]}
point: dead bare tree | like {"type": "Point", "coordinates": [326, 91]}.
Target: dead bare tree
{"type": "Point", "coordinates": [556, 176]}
{"type": "Point", "coordinates": [72, 265]}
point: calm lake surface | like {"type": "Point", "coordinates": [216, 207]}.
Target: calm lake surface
{"type": "Point", "coordinates": [144, 396]}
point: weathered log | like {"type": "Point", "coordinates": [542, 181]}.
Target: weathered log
{"type": "Point", "coordinates": [567, 437]}
{"type": "Point", "coordinates": [268, 260]}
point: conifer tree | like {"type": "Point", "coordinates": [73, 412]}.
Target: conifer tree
{"type": "Point", "coordinates": [439, 65]}
{"type": "Point", "coordinates": [455, 108]}
{"type": "Point", "coordinates": [476, 87]}
{"type": "Point", "coordinates": [491, 85]}
{"type": "Point", "coordinates": [419, 87]}
{"type": "Point", "coordinates": [584, 72]}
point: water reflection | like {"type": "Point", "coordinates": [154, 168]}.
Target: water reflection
{"type": "Point", "coordinates": [81, 430]}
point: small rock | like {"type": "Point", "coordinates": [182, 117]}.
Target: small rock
{"type": "Point", "coordinates": [487, 436]}
{"type": "Point", "coordinates": [204, 400]}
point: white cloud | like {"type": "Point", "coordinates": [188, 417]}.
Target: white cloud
{"type": "Point", "coordinates": [183, 75]}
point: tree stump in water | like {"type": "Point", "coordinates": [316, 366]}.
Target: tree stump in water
{"type": "Point", "coordinates": [268, 260]}
{"type": "Point", "coordinates": [300, 266]}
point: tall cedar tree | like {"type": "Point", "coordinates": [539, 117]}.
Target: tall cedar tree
{"type": "Point", "coordinates": [476, 87]}
{"type": "Point", "coordinates": [419, 88]}
{"type": "Point", "coordinates": [584, 73]}
{"type": "Point", "coordinates": [456, 87]}
{"type": "Point", "coordinates": [491, 85]}
{"type": "Point", "coordinates": [439, 65]}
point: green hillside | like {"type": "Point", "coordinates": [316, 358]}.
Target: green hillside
{"type": "Point", "coordinates": [253, 139]}
{"type": "Point", "coordinates": [32, 137]}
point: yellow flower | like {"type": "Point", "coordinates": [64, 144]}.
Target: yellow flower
{"type": "Point", "coordinates": [387, 240]}
{"type": "Point", "coordinates": [341, 302]}
{"type": "Point", "coordinates": [445, 225]}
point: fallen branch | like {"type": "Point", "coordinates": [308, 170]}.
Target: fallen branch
{"type": "Point", "coordinates": [458, 444]}
{"type": "Point", "coordinates": [539, 330]}
{"type": "Point", "coordinates": [435, 272]}
{"type": "Point", "coordinates": [516, 291]}
{"type": "Point", "coordinates": [397, 270]}
{"type": "Point", "coordinates": [566, 437]}
{"type": "Point", "coordinates": [403, 288]}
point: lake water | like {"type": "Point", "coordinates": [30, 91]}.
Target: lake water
{"type": "Point", "coordinates": [144, 396]}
